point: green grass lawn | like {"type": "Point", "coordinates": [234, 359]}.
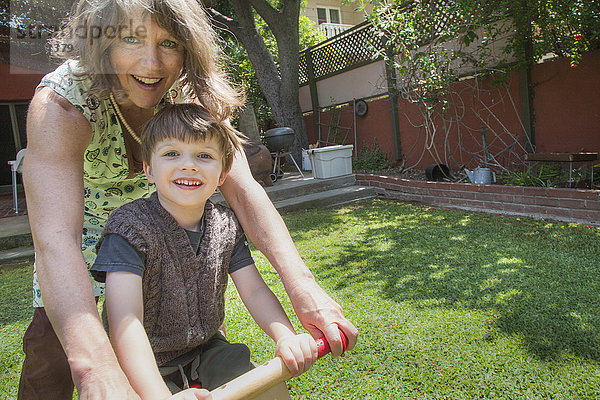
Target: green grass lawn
{"type": "Point", "coordinates": [450, 305]}
{"type": "Point", "coordinates": [15, 315]}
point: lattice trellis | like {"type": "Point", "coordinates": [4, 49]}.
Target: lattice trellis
{"type": "Point", "coordinates": [302, 69]}
{"type": "Point", "coordinates": [440, 8]}
{"type": "Point", "coordinates": [356, 46]}
{"type": "Point", "coordinates": [351, 48]}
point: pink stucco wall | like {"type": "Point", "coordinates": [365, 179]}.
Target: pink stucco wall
{"type": "Point", "coordinates": [567, 105]}
{"type": "Point", "coordinates": [566, 113]}
{"type": "Point", "coordinates": [18, 83]}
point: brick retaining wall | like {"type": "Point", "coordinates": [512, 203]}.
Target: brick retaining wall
{"type": "Point", "coordinates": [569, 205]}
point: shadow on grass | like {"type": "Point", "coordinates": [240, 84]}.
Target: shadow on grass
{"type": "Point", "coordinates": [540, 280]}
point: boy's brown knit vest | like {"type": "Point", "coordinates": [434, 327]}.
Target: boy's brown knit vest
{"type": "Point", "coordinates": [184, 293]}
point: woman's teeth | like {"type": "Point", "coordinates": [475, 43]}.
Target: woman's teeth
{"type": "Point", "coordinates": [146, 81]}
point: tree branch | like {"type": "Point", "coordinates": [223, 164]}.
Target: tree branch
{"type": "Point", "coordinates": [258, 53]}
{"type": "Point", "coordinates": [274, 17]}
{"type": "Point", "coordinates": [224, 22]}
{"type": "Point", "coordinates": [245, 17]}
{"type": "Point", "coordinates": [291, 9]}
{"type": "Point", "coordinates": [270, 14]}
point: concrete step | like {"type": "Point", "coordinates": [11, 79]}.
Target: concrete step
{"type": "Point", "coordinates": [307, 186]}
{"type": "Point", "coordinates": [15, 232]}
{"type": "Point", "coordinates": [327, 198]}
{"type": "Point", "coordinates": [18, 254]}
{"type": "Point", "coordinates": [295, 185]}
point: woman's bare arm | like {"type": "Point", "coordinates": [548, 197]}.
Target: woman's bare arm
{"type": "Point", "coordinates": [57, 136]}
{"type": "Point", "coordinates": [318, 312]}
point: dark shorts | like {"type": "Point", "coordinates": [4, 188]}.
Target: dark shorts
{"type": "Point", "coordinates": [216, 362]}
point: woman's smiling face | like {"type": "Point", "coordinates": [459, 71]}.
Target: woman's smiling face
{"type": "Point", "coordinates": [146, 59]}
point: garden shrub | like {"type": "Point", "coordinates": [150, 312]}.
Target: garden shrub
{"type": "Point", "coordinates": [371, 159]}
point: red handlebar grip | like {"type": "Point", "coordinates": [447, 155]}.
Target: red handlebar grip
{"type": "Point", "coordinates": [323, 347]}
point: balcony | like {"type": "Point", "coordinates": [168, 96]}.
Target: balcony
{"type": "Point", "coordinates": [330, 30]}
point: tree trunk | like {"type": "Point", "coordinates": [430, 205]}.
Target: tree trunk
{"type": "Point", "coordinates": [247, 124]}
{"type": "Point", "coordinates": [280, 88]}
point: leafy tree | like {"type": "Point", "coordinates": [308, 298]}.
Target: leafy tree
{"type": "Point", "coordinates": [433, 43]}
{"type": "Point", "coordinates": [240, 67]}
{"type": "Point", "coordinates": [30, 23]}
{"type": "Point", "coordinates": [419, 32]}
{"type": "Point", "coordinates": [278, 81]}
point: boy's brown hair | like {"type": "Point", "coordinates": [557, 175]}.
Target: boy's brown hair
{"type": "Point", "coordinates": [189, 123]}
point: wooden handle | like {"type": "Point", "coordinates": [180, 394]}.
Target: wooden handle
{"type": "Point", "coordinates": [264, 377]}
{"type": "Point", "coordinates": [254, 382]}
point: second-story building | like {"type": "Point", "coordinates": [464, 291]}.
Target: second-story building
{"type": "Point", "coordinates": [334, 16]}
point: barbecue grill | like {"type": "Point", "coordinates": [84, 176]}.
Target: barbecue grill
{"type": "Point", "coordinates": [279, 141]}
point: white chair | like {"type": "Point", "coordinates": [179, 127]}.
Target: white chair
{"type": "Point", "coordinates": [16, 166]}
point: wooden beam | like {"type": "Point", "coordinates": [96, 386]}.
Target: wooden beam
{"type": "Point", "coordinates": [314, 94]}
{"type": "Point", "coordinates": [390, 74]}
{"type": "Point", "coordinates": [527, 108]}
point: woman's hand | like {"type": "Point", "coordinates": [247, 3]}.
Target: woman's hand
{"type": "Point", "coordinates": [298, 352]}
{"type": "Point", "coordinates": [192, 394]}
{"type": "Point", "coordinates": [320, 315]}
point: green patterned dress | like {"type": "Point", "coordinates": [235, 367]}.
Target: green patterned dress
{"type": "Point", "coordinates": [106, 180]}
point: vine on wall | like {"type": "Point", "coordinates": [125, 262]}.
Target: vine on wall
{"type": "Point", "coordinates": [432, 44]}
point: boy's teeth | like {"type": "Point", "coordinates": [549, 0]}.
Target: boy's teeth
{"type": "Point", "coordinates": [186, 182]}
{"type": "Point", "coordinates": [147, 81]}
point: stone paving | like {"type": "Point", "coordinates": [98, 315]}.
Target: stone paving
{"type": "Point", "coordinates": [7, 208]}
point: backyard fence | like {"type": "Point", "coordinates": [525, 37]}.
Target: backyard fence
{"type": "Point", "coordinates": [561, 102]}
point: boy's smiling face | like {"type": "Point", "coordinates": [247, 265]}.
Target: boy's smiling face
{"type": "Point", "coordinates": [186, 174]}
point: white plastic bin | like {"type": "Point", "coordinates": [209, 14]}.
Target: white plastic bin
{"type": "Point", "coordinates": [331, 161]}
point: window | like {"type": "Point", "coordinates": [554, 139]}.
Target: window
{"type": "Point", "coordinates": [334, 16]}
{"type": "Point", "coordinates": [321, 15]}
{"type": "Point", "coordinates": [328, 15]}
{"type": "Point", "coordinates": [12, 136]}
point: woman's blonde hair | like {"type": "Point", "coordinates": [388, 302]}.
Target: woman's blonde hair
{"type": "Point", "coordinates": [190, 123]}
{"type": "Point", "coordinates": [91, 30]}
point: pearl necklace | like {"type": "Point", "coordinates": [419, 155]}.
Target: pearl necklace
{"type": "Point", "coordinates": [123, 120]}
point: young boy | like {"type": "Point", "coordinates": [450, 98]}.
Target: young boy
{"type": "Point", "coordinates": [166, 258]}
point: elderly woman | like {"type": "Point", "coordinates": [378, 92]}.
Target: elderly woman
{"type": "Point", "coordinates": [124, 60]}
